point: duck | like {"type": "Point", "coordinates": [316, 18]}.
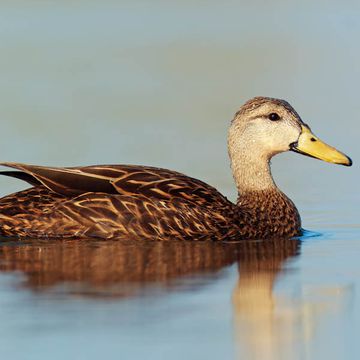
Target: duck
{"type": "Point", "coordinates": [133, 201]}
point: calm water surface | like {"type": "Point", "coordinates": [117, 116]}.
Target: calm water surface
{"type": "Point", "coordinates": [156, 83]}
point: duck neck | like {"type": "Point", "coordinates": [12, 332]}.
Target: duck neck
{"type": "Point", "coordinates": [251, 172]}
{"type": "Point", "coordinates": [263, 208]}
{"type": "Point", "coordinates": [266, 210]}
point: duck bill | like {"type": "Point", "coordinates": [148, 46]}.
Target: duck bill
{"type": "Point", "coordinates": [310, 145]}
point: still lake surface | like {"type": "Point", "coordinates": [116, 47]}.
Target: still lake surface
{"type": "Point", "coordinates": [156, 83]}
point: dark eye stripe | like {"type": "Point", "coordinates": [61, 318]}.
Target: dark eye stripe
{"type": "Point", "coordinates": [273, 117]}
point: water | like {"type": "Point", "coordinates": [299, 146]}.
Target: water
{"type": "Point", "coordinates": [156, 83]}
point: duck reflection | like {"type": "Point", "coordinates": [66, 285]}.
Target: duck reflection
{"type": "Point", "coordinates": [259, 333]}
{"type": "Point", "coordinates": [273, 325]}
{"type": "Point", "coordinates": [118, 269]}
{"type": "Point", "coordinates": [123, 268]}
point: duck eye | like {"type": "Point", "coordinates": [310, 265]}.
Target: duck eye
{"type": "Point", "coordinates": [274, 116]}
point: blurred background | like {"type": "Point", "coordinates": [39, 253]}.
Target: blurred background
{"type": "Point", "coordinates": [157, 83]}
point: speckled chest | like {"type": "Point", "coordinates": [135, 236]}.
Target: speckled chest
{"type": "Point", "coordinates": [267, 214]}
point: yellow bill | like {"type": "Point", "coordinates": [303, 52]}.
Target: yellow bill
{"type": "Point", "coordinates": [309, 144]}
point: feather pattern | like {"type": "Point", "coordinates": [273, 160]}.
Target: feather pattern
{"type": "Point", "coordinates": [112, 201]}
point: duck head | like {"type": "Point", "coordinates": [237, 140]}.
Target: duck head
{"type": "Point", "coordinates": [264, 127]}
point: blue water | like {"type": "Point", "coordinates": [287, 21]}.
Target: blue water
{"type": "Point", "coordinates": [156, 83]}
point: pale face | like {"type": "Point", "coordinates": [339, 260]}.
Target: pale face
{"type": "Point", "coordinates": [267, 128]}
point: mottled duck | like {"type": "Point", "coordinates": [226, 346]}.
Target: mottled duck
{"type": "Point", "coordinates": [130, 201]}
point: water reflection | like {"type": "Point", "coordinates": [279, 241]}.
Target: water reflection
{"type": "Point", "coordinates": [271, 325]}
{"type": "Point", "coordinates": [258, 331]}
{"type": "Point", "coordinates": [266, 325]}
{"type": "Point", "coordinates": [118, 269]}
{"type": "Point", "coordinates": [123, 268]}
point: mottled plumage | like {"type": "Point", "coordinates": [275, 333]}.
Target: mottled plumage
{"type": "Point", "coordinates": [128, 201]}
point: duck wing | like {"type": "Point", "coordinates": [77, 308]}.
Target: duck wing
{"type": "Point", "coordinates": [63, 181]}
{"type": "Point", "coordinates": [129, 180]}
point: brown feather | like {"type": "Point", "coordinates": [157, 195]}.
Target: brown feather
{"type": "Point", "coordinates": [65, 181]}
{"type": "Point", "coordinates": [22, 176]}
{"type": "Point", "coordinates": [115, 201]}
